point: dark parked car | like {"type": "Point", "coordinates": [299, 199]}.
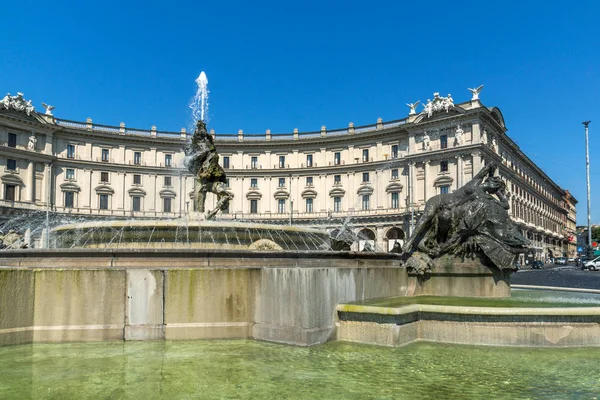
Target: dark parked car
{"type": "Point", "coordinates": [537, 264]}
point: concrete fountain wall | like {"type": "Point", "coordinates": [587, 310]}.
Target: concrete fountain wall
{"type": "Point", "coordinates": [79, 295]}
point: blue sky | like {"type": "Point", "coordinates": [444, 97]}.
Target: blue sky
{"type": "Point", "coordinates": [282, 65]}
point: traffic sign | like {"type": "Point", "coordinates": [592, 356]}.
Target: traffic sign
{"type": "Point", "coordinates": [594, 244]}
{"type": "Point", "coordinates": [580, 249]}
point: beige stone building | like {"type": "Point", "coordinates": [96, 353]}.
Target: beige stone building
{"type": "Point", "coordinates": [375, 179]}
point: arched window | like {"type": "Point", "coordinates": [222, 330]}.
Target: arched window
{"type": "Point", "coordinates": [394, 235]}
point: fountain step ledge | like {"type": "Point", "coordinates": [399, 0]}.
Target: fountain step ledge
{"type": "Point", "coordinates": [492, 326]}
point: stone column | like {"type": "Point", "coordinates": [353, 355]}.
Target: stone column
{"type": "Point", "coordinates": [426, 177]}
{"type": "Point", "coordinates": [477, 163]}
{"type": "Point", "coordinates": [49, 143]}
{"type": "Point", "coordinates": [30, 187]}
{"type": "Point", "coordinates": [460, 171]}
{"type": "Point", "coordinates": [47, 184]}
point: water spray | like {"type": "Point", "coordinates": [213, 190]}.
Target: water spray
{"type": "Point", "coordinates": [199, 103]}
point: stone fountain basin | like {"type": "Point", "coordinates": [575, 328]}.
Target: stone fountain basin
{"type": "Point", "coordinates": [188, 234]}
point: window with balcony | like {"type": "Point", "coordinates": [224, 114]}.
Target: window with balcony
{"type": "Point", "coordinates": [10, 192]}
{"type": "Point", "coordinates": [309, 181]}
{"type": "Point", "coordinates": [365, 177]}
{"type": "Point", "coordinates": [309, 205]}
{"type": "Point", "coordinates": [70, 151]}
{"type": "Point", "coordinates": [168, 160]}
{"type": "Point", "coordinates": [253, 206]}
{"type": "Point", "coordinates": [69, 199]}
{"type": "Point", "coordinates": [365, 155]}
{"type": "Point", "coordinates": [167, 181]}
{"type": "Point", "coordinates": [281, 182]}
{"type": "Point", "coordinates": [11, 164]}
{"type": "Point", "coordinates": [443, 166]}
{"type": "Point", "coordinates": [337, 158]}
{"type": "Point", "coordinates": [366, 201]}
{"type": "Point", "coordinates": [70, 173]}
{"type": "Point", "coordinates": [281, 161]}
{"type": "Point", "coordinates": [394, 173]}
{"type": "Point", "coordinates": [103, 201]}
{"type": "Point", "coordinates": [167, 204]}
{"type": "Point", "coordinates": [254, 162]}
{"type": "Point", "coordinates": [137, 179]}
{"type": "Point", "coordinates": [395, 151]}
{"type": "Point", "coordinates": [281, 206]}
{"type": "Point", "coordinates": [105, 155]}
{"type": "Point", "coordinates": [254, 183]}
{"type": "Point", "coordinates": [104, 177]}
{"type": "Point", "coordinates": [395, 200]}
{"type": "Point", "coordinates": [445, 189]}
{"type": "Point", "coordinates": [136, 203]}
{"type": "Point", "coordinates": [137, 158]}
{"type": "Point", "coordinates": [309, 160]}
{"type": "Point", "coordinates": [12, 140]}
{"type": "Point", "coordinates": [226, 162]}
{"type": "Point", "coordinates": [443, 141]}
{"type": "Point", "coordinates": [337, 179]}
{"type": "Point", "coordinates": [337, 204]}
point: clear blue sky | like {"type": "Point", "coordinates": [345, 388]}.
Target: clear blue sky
{"type": "Point", "coordinates": [304, 64]}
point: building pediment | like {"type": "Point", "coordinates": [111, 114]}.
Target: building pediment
{"type": "Point", "coordinates": [337, 192]}
{"type": "Point", "coordinates": [11, 179]}
{"type": "Point", "coordinates": [281, 194]}
{"type": "Point", "coordinates": [309, 194]}
{"type": "Point", "coordinates": [137, 192]}
{"type": "Point", "coordinates": [393, 187]}
{"type": "Point", "coordinates": [365, 190]}
{"type": "Point", "coordinates": [253, 195]}
{"type": "Point", "coordinates": [443, 180]}
{"type": "Point", "coordinates": [103, 189]}
{"type": "Point", "coordinates": [70, 187]}
{"type": "Point", "coordinates": [167, 193]}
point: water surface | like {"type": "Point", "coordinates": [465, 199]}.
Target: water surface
{"type": "Point", "coordinates": [239, 369]}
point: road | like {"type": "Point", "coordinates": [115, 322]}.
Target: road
{"type": "Point", "coordinates": [558, 275]}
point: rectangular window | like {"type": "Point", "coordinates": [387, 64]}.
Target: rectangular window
{"type": "Point", "coordinates": [366, 200]}
{"type": "Point", "coordinates": [104, 177]}
{"type": "Point", "coordinates": [253, 183]}
{"type": "Point", "coordinates": [227, 182]}
{"type": "Point", "coordinates": [136, 203]}
{"type": "Point", "coordinates": [309, 181]}
{"type": "Point", "coordinates": [337, 179]}
{"type": "Point", "coordinates": [253, 206]}
{"type": "Point", "coordinates": [443, 166]}
{"type": "Point", "coordinates": [309, 160]}
{"type": "Point", "coordinates": [395, 151]}
{"type": "Point", "coordinates": [105, 155]}
{"type": "Point", "coordinates": [395, 173]}
{"type": "Point", "coordinates": [167, 181]}
{"type": "Point", "coordinates": [281, 161]}
{"type": "Point", "coordinates": [281, 206]}
{"type": "Point", "coordinates": [309, 205]}
{"type": "Point", "coordinates": [443, 141]}
{"type": "Point", "coordinates": [365, 155]}
{"type": "Point", "coordinates": [168, 160]}
{"type": "Point", "coordinates": [12, 140]}
{"type": "Point", "coordinates": [10, 192]}
{"type": "Point", "coordinates": [70, 173]}
{"type": "Point", "coordinates": [365, 177]}
{"type": "Point", "coordinates": [137, 158]}
{"type": "Point", "coordinates": [69, 199]}
{"type": "Point", "coordinates": [254, 162]}
{"type": "Point", "coordinates": [167, 204]}
{"type": "Point", "coordinates": [70, 151]}
{"type": "Point", "coordinates": [444, 189]}
{"type": "Point", "coordinates": [11, 164]}
{"type": "Point", "coordinates": [281, 182]}
{"type": "Point", "coordinates": [395, 200]}
{"type": "Point", "coordinates": [226, 162]}
{"type": "Point", "coordinates": [104, 202]}
{"type": "Point", "coordinates": [337, 204]}
{"type": "Point", "coordinates": [337, 158]}
{"type": "Point", "coordinates": [137, 179]}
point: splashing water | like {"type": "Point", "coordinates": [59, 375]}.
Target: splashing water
{"type": "Point", "coordinates": [199, 103]}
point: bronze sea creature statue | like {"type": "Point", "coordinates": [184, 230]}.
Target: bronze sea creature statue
{"type": "Point", "coordinates": [202, 160]}
{"type": "Point", "coordinates": [470, 223]}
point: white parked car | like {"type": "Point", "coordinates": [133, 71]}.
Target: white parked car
{"type": "Point", "coordinates": [593, 265]}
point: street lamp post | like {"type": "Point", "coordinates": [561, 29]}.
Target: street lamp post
{"type": "Point", "coordinates": [587, 170]}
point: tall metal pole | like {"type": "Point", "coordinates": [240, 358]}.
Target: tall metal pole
{"type": "Point", "coordinates": [587, 170]}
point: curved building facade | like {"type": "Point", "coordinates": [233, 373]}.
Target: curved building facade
{"type": "Point", "coordinates": [374, 179]}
